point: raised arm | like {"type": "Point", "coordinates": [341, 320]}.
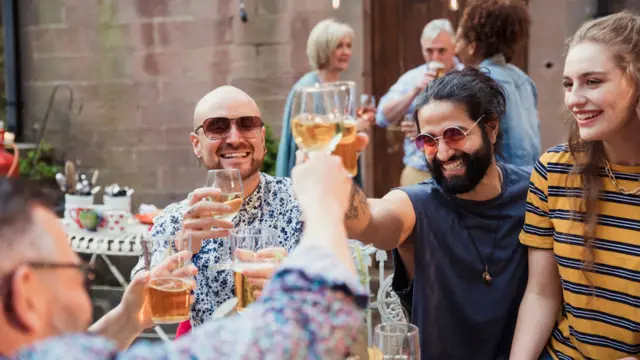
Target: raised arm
{"type": "Point", "coordinates": [397, 102]}
{"type": "Point", "coordinates": [386, 223]}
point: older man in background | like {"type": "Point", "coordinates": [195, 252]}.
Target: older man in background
{"type": "Point", "coordinates": [438, 48]}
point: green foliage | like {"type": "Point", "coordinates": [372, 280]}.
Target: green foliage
{"type": "Point", "coordinates": [269, 165]}
{"type": "Point", "coordinates": [45, 167]}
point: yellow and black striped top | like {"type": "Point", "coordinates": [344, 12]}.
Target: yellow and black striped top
{"type": "Point", "coordinates": [600, 311]}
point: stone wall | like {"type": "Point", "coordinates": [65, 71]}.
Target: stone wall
{"type": "Point", "coordinates": [137, 67]}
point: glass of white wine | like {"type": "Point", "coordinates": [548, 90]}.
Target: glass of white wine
{"type": "Point", "coordinates": [317, 118]}
{"type": "Point", "coordinates": [229, 182]}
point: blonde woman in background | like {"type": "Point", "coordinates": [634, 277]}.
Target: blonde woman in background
{"type": "Point", "coordinates": [582, 224]}
{"type": "Point", "coordinates": [329, 50]}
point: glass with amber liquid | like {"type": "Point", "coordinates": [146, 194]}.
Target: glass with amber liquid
{"type": "Point", "coordinates": [316, 119]}
{"type": "Point", "coordinates": [346, 149]}
{"type": "Point", "coordinates": [169, 289]}
{"type": "Point", "coordinates": [250, 247]}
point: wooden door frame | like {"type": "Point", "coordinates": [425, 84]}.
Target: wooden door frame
{"type": "Point", "coordinates": [374, 72]}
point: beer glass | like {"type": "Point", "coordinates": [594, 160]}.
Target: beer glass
{"type": "Point", "coordinates": [436, 67]}
{"type": "Point", "coordinates": [169, 291]}
{"type": "Point", "coordinates": [316, 119]}
{"type": "Point", "coordinates": [398, 341]}
{"type": "Point", "coordinates": [250, 250]}
{"type": "Point", "coordinates": [229, 181]}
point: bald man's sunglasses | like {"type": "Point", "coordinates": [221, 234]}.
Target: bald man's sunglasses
{"type": "Point", "coordinates": [218, 127]}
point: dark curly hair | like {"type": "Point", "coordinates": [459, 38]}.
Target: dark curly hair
{"type": "Point", "coordinates": [472, 88]}
{"type": "Point", "coordinates": [495, 26]}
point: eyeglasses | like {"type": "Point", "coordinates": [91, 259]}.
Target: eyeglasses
{"type": "Point", "coordinates": [454, 136]}
{"type": "Point", "coordinates": [217, 128]}
{"type": "Point", "coordinates": [6, 282]}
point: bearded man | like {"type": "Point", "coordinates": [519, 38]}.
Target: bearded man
{"type": "Point", "coordinates": [458, 263]}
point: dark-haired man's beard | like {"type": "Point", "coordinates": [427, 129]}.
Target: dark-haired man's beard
{"type": "Point", "coordinates": [476, 166]}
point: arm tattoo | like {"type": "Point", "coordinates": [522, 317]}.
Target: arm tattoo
{"type": "Point", "coordinates": [358, 204]}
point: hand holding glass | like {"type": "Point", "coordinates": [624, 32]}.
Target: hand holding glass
{"type": "Point", "coordinates": [247, 244]}
{"type": "Point", "coordinates": [171, 281]}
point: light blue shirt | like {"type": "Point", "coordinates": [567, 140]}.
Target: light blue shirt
{"type": "Point", "coordinates": [520, 125]}
{"type": "Point", "coordinates": [407, 82]}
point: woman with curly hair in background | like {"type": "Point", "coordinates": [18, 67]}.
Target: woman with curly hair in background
{"type": "Point", "coordinates": [490, 33]}
{"type": "Point", "coordinates": [583, 209]}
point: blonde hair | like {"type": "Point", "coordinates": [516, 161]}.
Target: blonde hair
{"type": "Point", "coordinates": [620, 33]}
{"type": "Point", "coordinates": [323, 39]}
{"type": "Point", "coordinates": [435, 27]}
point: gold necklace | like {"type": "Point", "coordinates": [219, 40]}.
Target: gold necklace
{"type": "Point", "coordinates": [607, 168]}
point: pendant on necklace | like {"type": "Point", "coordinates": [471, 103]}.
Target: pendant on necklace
{"type": "Point", "coordinates": [486, 277]}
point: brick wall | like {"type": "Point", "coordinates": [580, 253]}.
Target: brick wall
{"type": "Point", "coordinates": [138, 67]}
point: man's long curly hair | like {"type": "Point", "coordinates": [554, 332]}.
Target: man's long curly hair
{"type": "Point", "coordinates": [495, 26]}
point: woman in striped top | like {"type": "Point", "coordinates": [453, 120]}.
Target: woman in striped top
{"type": "Point", "coordinates": [582, 224]}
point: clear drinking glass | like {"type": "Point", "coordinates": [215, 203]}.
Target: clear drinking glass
{"type": "Point", "coordinates": [396, 341]}
{"type": "Point", "coordinates": [346, 101]}
{"type": "Point", "coordinates": [229, 182]}
{"type": "Point", "coordinates": [316, 118]}
{"type": "Point", "coordinates": [367, 100]}
{"type": "Point", "coordinates": [171, 282]}
{"type": "Point", "coordinates": [250, 250]}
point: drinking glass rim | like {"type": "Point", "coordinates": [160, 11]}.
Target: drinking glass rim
{"type": "Point", "coordinates": [238, 231]}
{"type": "Point", "coordinates": [316, 88]}
{"type": "Point", "coordinates": [411, 328]}
{"type": "Point", "coordinates": [223, 170]}
{"type": "Point", "coordinates": [153, 238]}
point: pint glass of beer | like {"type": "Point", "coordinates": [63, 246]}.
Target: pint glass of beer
{"type": "Point", "coordinates": [250, 249]}
{"type": "Point", "coordinates": [169, 290]}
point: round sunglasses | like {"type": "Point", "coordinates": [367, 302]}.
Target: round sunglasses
{"type": "Point", "coordinates": [217, 128]}
{"type": "Point", "coordinates": [454, 136]}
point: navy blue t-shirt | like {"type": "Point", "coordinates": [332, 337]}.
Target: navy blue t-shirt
{"type": "Point", "coordinates": [460, 317]}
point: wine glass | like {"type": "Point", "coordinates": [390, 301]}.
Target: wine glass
{"type": "Point", "coordinates": [397, 341]}
{"type": "Point", "coordinates": [317, 118]}
{"type": "Point", "coordinates": [229, 182]}
{"type": "Point", "coordinates": [346, 148]}
{"type": "Point", "coordinates": [367, 100]}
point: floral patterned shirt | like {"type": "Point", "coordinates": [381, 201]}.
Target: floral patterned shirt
{"type": "Point", "coordinates": [271, 205]}
{"type": "Point", "coordinates": [311, 309]}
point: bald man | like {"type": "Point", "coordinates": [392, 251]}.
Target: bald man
{"type": "Point", "coordinates": [229, 134]}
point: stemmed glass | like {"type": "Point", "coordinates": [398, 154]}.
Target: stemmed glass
{"type": "Point", "coordinates": [229, 181]}
{"type": "Point", "coordinates": [317, 118]}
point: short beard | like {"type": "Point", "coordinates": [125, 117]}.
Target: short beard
{"type": "Point", "coordinates": [476, 166]}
